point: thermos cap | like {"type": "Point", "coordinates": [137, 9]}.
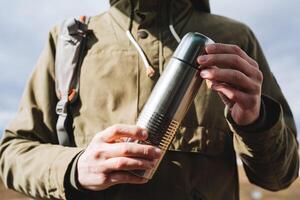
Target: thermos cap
{"type": "Point", "coordinates": [191, 47]}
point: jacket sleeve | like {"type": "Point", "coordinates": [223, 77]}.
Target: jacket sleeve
{"type": "Point", "coordinates": [269, 153]}
{"type": "Point", "coordinates": [31, 162]}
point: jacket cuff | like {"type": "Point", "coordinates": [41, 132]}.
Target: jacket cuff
{"type": "Point", "coordinates": [250, 140]}
{"type": "Point", "coordinates": [58, 171]}
{"type": "Point", "coordinates": [269, 114]}
{"type": "Point", "coordinates": [72, 186]}
{"type": "Point", "coordinates": [74, 174]}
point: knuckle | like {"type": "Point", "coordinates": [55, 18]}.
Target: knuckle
{"type": "Point", "coordinates": [115, 128]}
{"type": "Point", "coordinates": [260, 76]}
{"type": "Point", "coordinates": [256, 87]}
{"type": "Point", "coordinates": [236, 76]}
{"type": "Point", "coordinates": [125, 150]}
{"type": "Point", "coordinates": [120, 163]}
{"type": "Point", "coordinates": [255, 64]}
{"type": "Point", "coordinates": [100, 152]}
{"type": "Point", "coordinates": [97, 154]}
{"type": "Point", "coordinates": [236, 60]}
{"type": "Point", "coordinates": [140, 164]}
{"type": "Point", "coordinates": [236, 49]}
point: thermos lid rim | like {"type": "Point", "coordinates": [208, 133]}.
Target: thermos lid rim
{"type": "Point", "coordinates": [191, 46]}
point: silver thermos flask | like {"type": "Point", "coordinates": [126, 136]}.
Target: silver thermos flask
{"type": "Point", "coordinates": [172, 96]}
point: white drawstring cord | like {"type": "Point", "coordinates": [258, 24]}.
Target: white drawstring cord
{"type": "Point", "coordinates": [174, 33]}
{"type": "Point", "coordinates": [171, 27]}
{"type": "Point", "coordinates": [149, 69]}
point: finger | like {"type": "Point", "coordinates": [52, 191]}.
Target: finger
{"type": "Point", "coordinates": [124, 177]}
{"type": "Point", "coordinates": [244, 100]}
{"type": "Point", "coordinates": [136, 150]}
{"type": "Point", "coordinates": [120, 131]}
{"type": "Point", "coordinates": [230, 61]}
{"type": "Point", "coordinates": [232, 77]}
{"type": "Point", "coordinates": [125, 164]}
{"type": "Point", "coordinates": [220, 48]}
{"type": "Point", "coordinates": [209, 82]}
{"type": "Point", "coordinates": [225, 100]}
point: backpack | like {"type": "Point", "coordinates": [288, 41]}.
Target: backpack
{"type": "Point", "coordinates": [69, 55]}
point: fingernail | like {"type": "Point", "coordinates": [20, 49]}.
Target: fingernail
{"type": "Point", "coordinates": [202, 58]}
{"type": "Point", "coordinates": [210, 47]}
{"type": "Point", "coordinates": [204, 74]}
{"type": "Point", "coordinates": [157, 152]}
{"type": "Point", "coordinates": [144, 134]}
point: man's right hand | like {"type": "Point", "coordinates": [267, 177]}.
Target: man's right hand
{"type": "Point", "coordinates": [106, 161]}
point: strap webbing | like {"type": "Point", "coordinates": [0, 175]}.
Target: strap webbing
{"type": "Point", "coordinates": [69, 55]}
{"type": "Point", "coordinates": [62, 111]}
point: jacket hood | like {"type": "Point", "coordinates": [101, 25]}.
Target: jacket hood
{"type": "Point", "coordinates": [201, 5]}
{"type": "Point", "coordinates": [171, 15]}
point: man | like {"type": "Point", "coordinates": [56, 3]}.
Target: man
{"type": "Point", "coordinates": [201, 164]}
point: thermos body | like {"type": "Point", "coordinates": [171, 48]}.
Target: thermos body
{"type": "Point", "coordinates": [172, 95]}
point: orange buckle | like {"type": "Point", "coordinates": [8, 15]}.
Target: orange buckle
{"type": "Point", "coordinates": [72, 94]}
{"type": "Point", "coordinates": [82, 18]}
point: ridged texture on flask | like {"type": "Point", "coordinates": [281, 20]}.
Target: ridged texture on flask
{"type": "Point", "coordinates": [161, 130]}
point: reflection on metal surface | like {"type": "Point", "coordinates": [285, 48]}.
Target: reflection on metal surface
{"type": "Point", "coordinates": [172, 95]}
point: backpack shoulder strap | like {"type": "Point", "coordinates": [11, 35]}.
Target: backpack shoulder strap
{"type": "Point", "coordinates": [68, 58]}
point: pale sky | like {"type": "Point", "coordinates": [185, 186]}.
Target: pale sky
{"type": "Point", "coordinates": [25, 24]}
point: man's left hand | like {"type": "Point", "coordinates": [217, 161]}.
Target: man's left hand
{"type": "Point", "coordinates": [237, 79]}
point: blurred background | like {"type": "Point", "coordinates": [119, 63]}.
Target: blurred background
{"type": "Point", "coordinates": [25, 25]}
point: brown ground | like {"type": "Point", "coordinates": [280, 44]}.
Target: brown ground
{"type": "Point", "coordinates": [293, 193]}
{"type": "Point", "coordinates": [9, 195]}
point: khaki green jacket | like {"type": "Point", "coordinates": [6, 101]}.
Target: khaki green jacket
{"type": "Point", "coordinates": [114, 86]}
